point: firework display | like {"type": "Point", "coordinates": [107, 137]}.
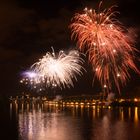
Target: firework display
{"type": "Point", "coordinates": [109, 45]}
{"type": "Point", "coordinates": [32, 79]}
{"type": "Point", "coordinates": [55, 70]}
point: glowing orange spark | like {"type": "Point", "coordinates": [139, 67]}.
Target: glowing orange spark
{"type": "Point", "coordinates": [109, 45]}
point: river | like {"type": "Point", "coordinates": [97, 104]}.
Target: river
{"type": "Point", "coordinates": [54, 122]}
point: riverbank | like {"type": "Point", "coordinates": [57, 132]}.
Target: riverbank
{"type": "Point", "coordinates": [76, 101]}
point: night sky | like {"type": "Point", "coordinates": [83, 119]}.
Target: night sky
{"type": "Point", "coordinates": [28, 29]}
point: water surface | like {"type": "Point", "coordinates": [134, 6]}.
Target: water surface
{"type": "Point", "coordinates": [54, 122]}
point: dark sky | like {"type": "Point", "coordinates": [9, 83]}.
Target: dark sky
{"type": "Point", "coordinates": [28, 28]}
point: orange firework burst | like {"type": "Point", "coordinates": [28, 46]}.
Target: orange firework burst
{"type": "Point", "coordinates": [108, 43]}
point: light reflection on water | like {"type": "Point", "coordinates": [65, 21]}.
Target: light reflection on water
{"type": "Point", "coordinates": [54, 122]}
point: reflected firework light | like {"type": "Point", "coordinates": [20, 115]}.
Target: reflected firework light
{"type": "Point", "coordinates": [109, 45]}
{"type": "Point", "coordinates": [55, 70]}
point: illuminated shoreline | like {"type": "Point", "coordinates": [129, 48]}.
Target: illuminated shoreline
{"type": "Point", "coordinates": [76, 101]}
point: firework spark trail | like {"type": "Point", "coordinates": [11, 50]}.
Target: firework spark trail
{"type": "Point", "coordinates": [108, 43]}
{"type": "Point", "coordinates": [32, 79]}
{"type": "Point", "coordinates": [58, 70]}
